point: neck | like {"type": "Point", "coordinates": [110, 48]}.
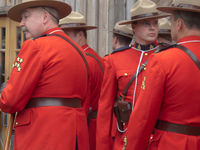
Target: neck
{"type": "Point", "coordinates": [82, 42]}
{"type": "Point", "coordinates": [119, 45]}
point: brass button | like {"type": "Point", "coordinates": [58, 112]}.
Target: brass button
{"type": "Point", "coordinates": [125, 74]}
{"type": "Point", "coordinates": [124, 124]}
{"type": "Point", "coordinates": [151, 137]}
{"type": "Point", "coordinates": [145, 68]}
{"type": "Point", "coordinates": [146, 54]}
{"type": "Point", "coordinates": [17, 123]}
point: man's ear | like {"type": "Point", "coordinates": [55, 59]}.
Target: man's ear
{"type": "Point", "coordinates": [80, 35]}
{"type": "Point", "coordinates": [133, 27]}
{"type": "Point", "coordinates": [179, 24]}
{"type": "Point", "coordinates": [45, 16]}
{"type": "Point", "coordinates": [115, 40]}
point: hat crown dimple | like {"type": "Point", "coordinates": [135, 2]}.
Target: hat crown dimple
{"type": "Point", "coordinates": [143, 7]}
{"type": "Point", "coordinates": [164, 24]}
{"type": "Point", "coordinates": [73, 17]}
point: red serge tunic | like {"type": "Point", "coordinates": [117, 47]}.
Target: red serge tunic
{"type": "Point", "coordinates": [172, 94]}
{"type": "Point", "coordinates": [47, 67]}
{"type": "Point", "coordinates": [121, 65]}
{"type": "Point", "coordinates": [96, 78]}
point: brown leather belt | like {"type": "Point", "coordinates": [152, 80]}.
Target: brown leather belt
{"type": "Point", "coordinates": [41, 102]}
{"type": "Point", "coordinates": [178, 128]}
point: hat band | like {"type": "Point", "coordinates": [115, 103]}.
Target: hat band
{"type": "Point", "coordinates": [186, 6]}
{"type": "Point", "coordinates": [164, 30]}
{"type": "Point", "coordinates": [122, 32]}
{"type": "Point", "coordinates": [72, 25]}
{"type": "Point", "coordinates": [144, 15]}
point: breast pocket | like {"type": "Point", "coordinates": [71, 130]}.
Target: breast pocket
{"type": "Point", "coordinates": [23, 118]}
{"type": "Point", "coordinates": [123, 77]}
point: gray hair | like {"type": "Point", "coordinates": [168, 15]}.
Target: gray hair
{"type": "Point", "coordinates": [191, 19]}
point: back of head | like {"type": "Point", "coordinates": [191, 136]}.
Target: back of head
{"type": "Point", "coordinates": [186, 12]}
{"type": "Point", "coordinates": [123, 33]}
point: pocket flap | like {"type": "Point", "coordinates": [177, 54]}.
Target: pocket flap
{"type": "Point", "coordinates": [23, 118]}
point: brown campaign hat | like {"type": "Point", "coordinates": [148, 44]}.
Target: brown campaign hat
{"type": "Point", "coordinates": [63, 8]}
{"type": "Point", "coordinates": [144, 9]}
{"type": "Point", "coordinates": [185, 5]}
{"type": "Point", "coordinates": [75, 20]}
{"type": "Point", "coordinates": [124, 30]}
{"type": "Point", "coordinates": [164, 26]}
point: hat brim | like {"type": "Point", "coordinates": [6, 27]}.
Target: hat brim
{"type": "Point", "coordinates": [171, 9]}
{"type": "Point", "coordinates": [63, 8]}
{"type": "Point", "coordinates": [80, 27]}
{"type": "Point", "coordinates": [122, 34]}
{"type": "Point", "coordinates": [139, 19]}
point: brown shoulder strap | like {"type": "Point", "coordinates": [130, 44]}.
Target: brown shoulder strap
{"type": "Point", "coordinates": [89, 54]}
{"type": "Point", "coordinates": [190, 53]}
{"type": "Point", "coordinates": [83, 57]}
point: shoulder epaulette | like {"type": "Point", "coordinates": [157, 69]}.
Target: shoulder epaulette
{"type": "Point", "coordinates": [162, 48]}
{"type": "Point", "coordinates": [121, 48]}
{"type": "Point", "coordinates": [40, 36]}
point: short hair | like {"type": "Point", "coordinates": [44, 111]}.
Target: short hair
{"type": "Point", "coordinates": [191, 19]}
{"type": "Point", "coordinates": [53, 13]}
{"type": "Point", "coordinates": [123, 40]}
{"type": "Point", "coordinates": [78, 30]}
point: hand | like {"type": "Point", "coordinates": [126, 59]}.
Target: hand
{"type": "Point", "coordinates": [3, 85]}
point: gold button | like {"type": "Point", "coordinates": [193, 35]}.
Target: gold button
{"type": "Point", "coordinates": [125, 74]}
{"type": "Point", "coordinates": [151, 137]}
{"type": "Point", "coordinates": [124, 124]}
{"type": "Point", "coordinates": [146, 54]}
{"type": "Point", "coordinates": [17, 123]}
{"type": "Point", "coordinates": [145, 68]}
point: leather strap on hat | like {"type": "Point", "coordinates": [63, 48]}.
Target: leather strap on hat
{"type": "Point", "coordinates": [144, 15]}
{"type": "Point", "coordinates": [71, 25]}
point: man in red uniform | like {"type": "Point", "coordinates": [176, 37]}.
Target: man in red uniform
{"type": "Point", "coordinates": [120, 67]}
{"type": "Point", "coordinates": [170, 97]}
{"type": "Point", "coordinates": [48, 81]}
{"type": "Point", "coordinates": [75, 27]}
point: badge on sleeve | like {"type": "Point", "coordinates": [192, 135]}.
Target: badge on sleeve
{"type": "Point", "coordinates": [18, 64]}
{"type": "Point", "coordinates": [143, 84]}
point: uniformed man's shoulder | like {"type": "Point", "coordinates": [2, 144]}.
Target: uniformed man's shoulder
{"type": "Point", "coordinates": [166, 47]}
{"type": "Point", "coordinates": [40, 36]}
{"type": "Point", "coordinates": [121, 49]}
